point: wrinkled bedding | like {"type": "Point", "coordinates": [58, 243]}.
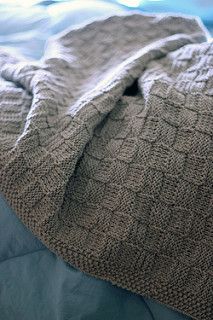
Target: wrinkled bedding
{"type": "Point", "coordinates": [26, 30]}
{"type": "Point", "coordinates": [36, 284]}
{"type": "Point", "coordinates": [28, 270]}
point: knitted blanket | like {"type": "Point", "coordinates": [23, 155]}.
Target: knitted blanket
{"type": "Point", "coordinates": [106, 153]}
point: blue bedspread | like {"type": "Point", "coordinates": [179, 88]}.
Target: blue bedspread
{"type": "Point", "coordinates": [26, 29]}
{"type": "Point", "coordinates": [35, 284]}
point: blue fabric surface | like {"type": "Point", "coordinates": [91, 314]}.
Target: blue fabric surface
{"type": "Point", "coordinates": [37, 285]}
{"type": "Point", "coordinates": [27, 29]}
{"type": "Point", "coordinates": [200, 8]}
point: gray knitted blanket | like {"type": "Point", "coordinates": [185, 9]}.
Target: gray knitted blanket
{"type": "Point", "coordinates": [106, 153]}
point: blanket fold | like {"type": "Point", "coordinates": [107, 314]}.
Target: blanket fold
{"type": "Point", "coordinates": [106, 153]}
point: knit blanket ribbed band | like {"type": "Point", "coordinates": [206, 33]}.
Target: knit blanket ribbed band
{"type": "Point", "coordinates": [106, 153]}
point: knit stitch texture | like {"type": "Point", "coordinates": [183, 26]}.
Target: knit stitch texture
{"type": "Point", "coordinates": [106, 153]}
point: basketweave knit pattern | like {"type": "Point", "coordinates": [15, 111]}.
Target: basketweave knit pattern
{"type": "Point", "coordinates": [118, 181]}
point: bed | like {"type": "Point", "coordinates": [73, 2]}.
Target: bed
{"type": "Point", "coordinates": [28, 270]}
